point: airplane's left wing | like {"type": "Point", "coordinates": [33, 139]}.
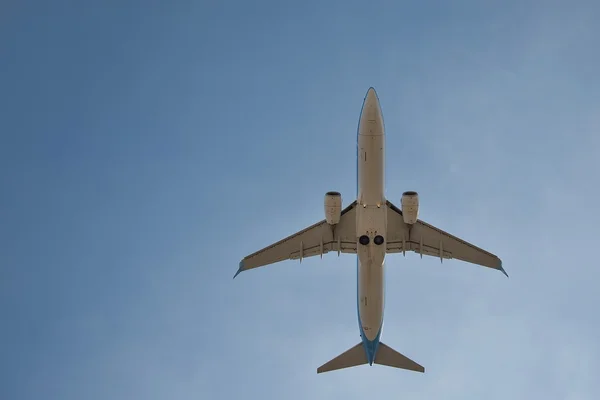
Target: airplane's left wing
{"type": "Point", "coordinates": [428, 240]}
{"type": "Point", "coordinates": [317, 239]}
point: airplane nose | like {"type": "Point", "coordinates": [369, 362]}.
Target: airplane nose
{"type": "Point", "coordinates": [371, 95]}
{"type": "Point", "coordinates": [371, 119]}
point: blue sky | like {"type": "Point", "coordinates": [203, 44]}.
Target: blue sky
{"type": "Point", "coordinates": [145, 149]}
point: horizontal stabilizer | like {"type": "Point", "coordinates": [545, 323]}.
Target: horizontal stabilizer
{"type": "Point", "coordinates": [390, 357]}
{"type": "Point", "coordinates": [350, 358]}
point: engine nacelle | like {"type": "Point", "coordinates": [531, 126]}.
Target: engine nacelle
{"type": "Point", "coordinates": [333, 207]}
{"type": "Point", "coordinates": [410, 207]}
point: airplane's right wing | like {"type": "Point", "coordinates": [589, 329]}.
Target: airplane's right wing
{"type": "Point", "coordinates": [428, 240]}
{"type": "Point", "coordinates": [317, 239]}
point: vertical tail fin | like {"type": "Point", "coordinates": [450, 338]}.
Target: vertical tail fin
{"type": "Point", "coordinates": [390, 357]}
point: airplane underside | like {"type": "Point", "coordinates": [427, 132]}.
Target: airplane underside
{"type": "Point", "coordinates": [371, 227]}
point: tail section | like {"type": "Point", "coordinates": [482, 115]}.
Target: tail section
{"type": "Point", "coordinates": [390, 357]}
{"type": "Point", "coordinates": [350, 358]}
{"type": "Point", "coordinates": [357, 356]}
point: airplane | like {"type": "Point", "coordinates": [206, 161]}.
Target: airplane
{"type": "Point", "coordinates": [371, 227]}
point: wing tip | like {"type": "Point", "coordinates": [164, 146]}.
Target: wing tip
{"type": "Point", "coordinates": [240, 269]}
{"type": "Point", "coordinates": [502, 269]}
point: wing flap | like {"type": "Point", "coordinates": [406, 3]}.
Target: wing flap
{"type": "Point", "coordinates": [344, 247]}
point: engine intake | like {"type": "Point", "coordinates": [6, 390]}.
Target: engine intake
{"type": "Point", "coordinates": [410, 207]}
{"type": "Point", "coordinates": [333, 207]}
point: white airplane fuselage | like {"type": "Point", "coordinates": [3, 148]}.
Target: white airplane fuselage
{"type": "Point", "coordinates": [371, 223]}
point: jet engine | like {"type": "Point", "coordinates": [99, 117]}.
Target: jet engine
{"type": "Point", "coordinates": [410, 207]}
{"type": "Point", "coordinates": [333, 207]}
